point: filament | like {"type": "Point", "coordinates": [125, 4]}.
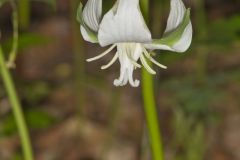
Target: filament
{"type": "Point", "coordinates": [102, 54]}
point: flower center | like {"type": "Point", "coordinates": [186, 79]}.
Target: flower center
{"type": "Point", "coordinates": [128, 55]}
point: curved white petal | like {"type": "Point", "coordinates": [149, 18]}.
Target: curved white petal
{"type": "Point", "coordinates": [123, 23]}
{"type": "Point", "coordinates": [176, 15]}
{"type": "Point", "coordinates": [178, 34]}
{"type": "Point", "coordinates": [152, 46]}
{"type": "Point", "coordinates": [87, 36]}
{"type": "Point", "coordinates": [92, 14]}
{"type": "Point", "coordinates": [180, 46]}
{"type": "Point", "coordinates": [184, 43]}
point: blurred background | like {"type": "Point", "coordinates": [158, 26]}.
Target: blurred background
{"type": "Point", "coordinates": [75, 113]}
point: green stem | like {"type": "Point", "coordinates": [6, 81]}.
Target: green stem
{"type": "Point", "coordinates": [17, 110]}
{"type": "Point", "coordinates": [151, 115]}
{"type": "Point", "coordinates": [150, 106]}
{"type": "Point", "coordinates": [24, 13]}
{"type": "Point", "coordinates": [13, 53]}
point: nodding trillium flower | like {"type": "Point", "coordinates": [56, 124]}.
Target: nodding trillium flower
{"type": "Point", "coordinates": [123, 27]}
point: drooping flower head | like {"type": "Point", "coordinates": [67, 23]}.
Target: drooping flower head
{"type": "Point", "coordinates": [123, 27]}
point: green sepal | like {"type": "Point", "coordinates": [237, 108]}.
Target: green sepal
{"type": "Point", "coordinates": [171, 38]}
{"type": "Point", "coordinates": [79, 13]}
{"type": "Point", "coordinates": [91, 34]}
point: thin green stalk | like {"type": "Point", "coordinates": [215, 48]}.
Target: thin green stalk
{"type": "Point", "coordinates": [24, 13]}
{"type": "Point", "coordinates": [151, 115]}
{"type": "Point", "coordinates": [150, 105]}
{"type": "Point", "coordinates": [13, 53]}
{"type": "Point", "coordinates": [16, 107]}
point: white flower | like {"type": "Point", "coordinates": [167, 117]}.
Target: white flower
{"type": "Point", "coordinates": [124, 28]}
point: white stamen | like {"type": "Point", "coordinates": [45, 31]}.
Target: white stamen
{"type": "Point", "coordinates": [111, 62]}
{"type": "Point", "coordinates": [134, 62]}
{"type": "Point", "coordinates": [129, 54]}
{"type": "Point", "coordinates": [152, 59]}
{"type": "Point", "coordinates": [144, 62]}
{"type": "Point", "coordinates": [102, 54]}
{"type": "Point", "coordinates": [132, 51]}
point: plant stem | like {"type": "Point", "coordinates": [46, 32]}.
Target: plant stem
{"type": "Point", "coordinates": [151, 115]}
{"type": "Point", "coordinates": [13, 53]}
{"type": "Point", "coordinates": [150, 106]}
{"type": "Point", "coordinates": [16, 107]}
{"type": "Point", "coordinates": [24, 14]}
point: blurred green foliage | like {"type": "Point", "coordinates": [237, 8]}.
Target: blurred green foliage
{"type": "Point", "coordinates": [51, 3]}
{"type": "Point", "coordinates": [193, 98]}
{"type": "Point", "coordinates": [2, 2]}
{"type": "Point", "coordinates": [17, 156]}
{"type": "Point", "coordinates": [188, 138]}
{"type": "Point", "coordinates": [35, 92]}
{"type": "Point", "coordinates": [224, 32]}
{"type": "Point", "coordinates": [27, 40]}
{"type": "Point", "coordinates": [35, 118]}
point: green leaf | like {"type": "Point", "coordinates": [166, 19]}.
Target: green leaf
{"type": "Point", "coordinates": [173, 37]}
{"type": "Point", "coordinates": [79, 13]}
{"type": "Point", "coordinates": [91, 34]}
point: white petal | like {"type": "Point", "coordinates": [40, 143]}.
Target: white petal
{"type": "Point", "coordinates": [178, 34]}
{"type": "Point", "coordinates": [176, 15]}
{"type": "Point", "coordinates": [92, 14]}
{"type": "Point", "coordinates": [87, 36]}
{"type": "Point", "coordinates": [152, 46]}
{"type": "Point", "coordinates": [184, 43]}
{"type": "Point", "coordinates": [124, 23]}
{"type": "Point", "coordinates": [181, 46]}
{"type": "Point", "coordinates": [174, 20]}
